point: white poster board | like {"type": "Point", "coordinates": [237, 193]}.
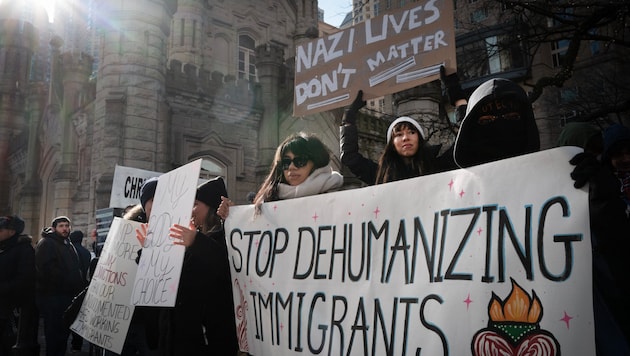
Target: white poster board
{"type": "Point", "coordinates": [495, 257]}
{"type": "Point", "coordinates": [106, 312]}
{"type": "Point", "coordinates": [160, 265]}
{"type": "Point", "coordinates": [126, 185]}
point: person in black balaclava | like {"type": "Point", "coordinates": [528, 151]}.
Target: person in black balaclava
{"type": "Point", "coordinates": [499, 123]}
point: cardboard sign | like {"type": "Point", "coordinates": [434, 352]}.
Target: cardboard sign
{"type": "Point", "coordinates": [126, 185]}
{"type": "Point", "coordinates": [106, 312]}
{"type": "Point", "coordinates": [495, 257]}
{"type": "Point", "coordinates": [383, 55]}
{"type": "Point", "coordinates": [161, 262]}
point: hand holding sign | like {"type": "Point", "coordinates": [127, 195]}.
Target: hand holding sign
{"type": "Point", "coordinates": [452, 89]}
{"type": "Point", "coordinates": [184, 236]}
{"type": "Point", "coordinates": [350, 116]}
{"type": "Point", "coordinates": [141, 234]}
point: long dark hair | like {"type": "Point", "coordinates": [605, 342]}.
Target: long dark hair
{"type": "Point", "coordinates": [300, 144]}
{"type": "Point", "coordinates": [392, 166]}
{"type": "Point", "coordinates": [211, 223]}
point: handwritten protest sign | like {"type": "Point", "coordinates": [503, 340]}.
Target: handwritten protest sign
{"type": "Point", "coordinates": [126, 185]}
{"type": "Point", "coordinates": [160, 265]}
{"type": "Point", "coordinates": [106, 313]}
{"type": "Point", "coordinates": [386, 54]}
{"type": "Point", "coordinates": [495, 257]}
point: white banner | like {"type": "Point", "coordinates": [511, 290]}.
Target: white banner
{"type": "Point", "coordinates": [106, 312]}
{"type": "Point", "coordinates": [495, 257]}
{"type": "Point", "coordinates": [126, 185]}
{"type": "Point", "coordinates": [161, 262]}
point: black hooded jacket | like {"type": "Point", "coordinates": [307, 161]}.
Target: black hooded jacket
{"type": "Point", "coordinates": [58, 266]}
{"type": "Point", "coordinates": [17, 273]}
{"type": "Point", "coordinates": [490, 131]}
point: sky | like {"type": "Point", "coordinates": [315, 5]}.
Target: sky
{"type": "Point", "coordinates": [335, 10]}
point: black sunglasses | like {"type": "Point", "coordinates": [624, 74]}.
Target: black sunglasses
{"type": "Point", "coordinates": [298, 162]}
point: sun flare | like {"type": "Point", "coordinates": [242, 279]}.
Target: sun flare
{"type": "Point", "coordinates": [49, 6]}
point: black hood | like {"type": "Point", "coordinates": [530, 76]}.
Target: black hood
{"type": "Point", "coordinates": [501, 138]}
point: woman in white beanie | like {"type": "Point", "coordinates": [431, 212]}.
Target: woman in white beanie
{"type": "Point", "coordinates": [406, 155]}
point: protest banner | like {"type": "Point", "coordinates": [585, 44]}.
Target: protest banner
{"type": "Point", "coordinates": [383, 55]}
{"type": "Point", "coordinates": [126, 185]}
{"type": "Point", "coordinates": [494, 257]}
{"type": "Point", "coordinates": [161, 262]}
{"type": "Point", "coordinates": [105, 314]}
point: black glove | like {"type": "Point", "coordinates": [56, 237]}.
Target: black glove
{"type": "Point", "coordinates": [350, 116]}
{"type": "Point", "coordinates": [451, 88]}
{"type": "Point", "coordinates": [586, 168]}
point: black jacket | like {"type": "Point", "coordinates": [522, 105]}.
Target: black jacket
{"type": "Point", "coordinates": [58, 266]}
{"type": "Point", "coordinates": [17, 273]}
{"type": "Point", "coordinates": [85, 257]}
{"type": "Point", "coordinates": [204, 309]}
{"type": "Point", "coordinates": [364, 168]}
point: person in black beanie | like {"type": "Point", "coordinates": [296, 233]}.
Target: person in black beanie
{"type": "Point", "coordinates": [608, 181]}
{"type": "Point", "coordinates": [142, 336]}
{"type": "Point", "coordinates": [147, 192]}
{"type": "Point", "coordinates": [59, 280]}
{"type": "Point", "coordinates": [17, 286]}
{"type": "Point", "coordinates": [202, 321]}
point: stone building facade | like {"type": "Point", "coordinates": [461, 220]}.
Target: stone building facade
{"type": "Point", "coordinates": [176, 81]}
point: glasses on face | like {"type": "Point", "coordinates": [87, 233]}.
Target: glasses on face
{"type": "Point", "coordinates": [488, 119]}
{"type": "Point", "coordinates": [298, 162]}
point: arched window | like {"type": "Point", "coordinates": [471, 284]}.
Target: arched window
{"type": "Point", "coordinates": [246, 58]}
{"type": "Point", "coordinates": [212, 168]}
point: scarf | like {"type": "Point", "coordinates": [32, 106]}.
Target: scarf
{"type": "Point", "coordinates": [321, 180]}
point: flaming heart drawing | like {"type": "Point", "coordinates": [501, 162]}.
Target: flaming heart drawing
{"type": "Point", "coordinates": [514, 328]}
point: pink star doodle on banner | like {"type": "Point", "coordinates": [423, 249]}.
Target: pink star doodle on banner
{"type": "Point", "coordinates": [376, 211]}
{"type": "Point", "coordinates": [468, 301]}
{"type": "Point", "coordinates": [315, 217]}
{"type": "Point", "coordinates": [275, 207]}
{"type": "Point", "coordinates": [450, 185]}
{"type": "Point", "coordinates": [479, 231]}
{"type": "Point", "coordinates": [566, 318]}
{"type": "Point", "coordinates": [461, 193]}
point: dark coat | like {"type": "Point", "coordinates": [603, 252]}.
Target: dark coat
{"type": "Point", "coordinates": [85, 257]}
{"type": "Point", "coordinates": [17, 273]}
{"type": "Point", "coordinates": [58, 266]}
{"type": "Point", "coordinates": [364, 168]}
{"type": "Point", "coordinates": [204, 302]}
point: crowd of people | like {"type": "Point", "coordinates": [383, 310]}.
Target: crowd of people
{"type": "Point", "coordinates": [496, 122]}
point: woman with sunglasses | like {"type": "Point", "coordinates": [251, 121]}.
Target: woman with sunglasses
{"type": "Point", "coordinates": [301, 167]}
{"type": "Point", "coordinates": [406, 155]}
